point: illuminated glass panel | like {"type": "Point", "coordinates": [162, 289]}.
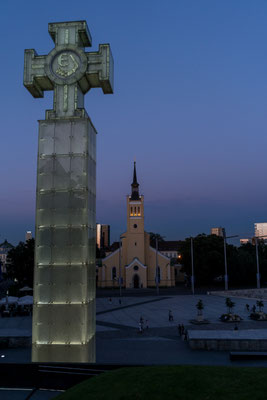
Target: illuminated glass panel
{"type": "Point", "coordinates": [64, 275]}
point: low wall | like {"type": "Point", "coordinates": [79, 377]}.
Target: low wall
{"type": "Point", "coordinates": [15, 342]}
{"type": "Point", "coordinates": [245, 340]}
{"type": "Point", "coordinates": [13, 338]}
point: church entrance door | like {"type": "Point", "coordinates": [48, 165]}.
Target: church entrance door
{"type": "Point", "coordinates": [136, 281]}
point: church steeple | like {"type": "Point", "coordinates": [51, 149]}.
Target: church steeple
{"type": "Point", "coordinates": [135, 186]}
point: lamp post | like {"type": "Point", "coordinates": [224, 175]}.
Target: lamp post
{"type": "Point", "coordinates": [157, 272]}
{"type": "Point", "coordinates": [225, 258]}
{"type": "Point", "coordinates": [257, 259]}
{"type": "Point", "coordinates": [121, 237]}
{"type": "Point", "coordinates": [258, 266]}
{"type": "Point", "coordinates": [192, 266]}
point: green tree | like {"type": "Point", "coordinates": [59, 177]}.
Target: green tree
{"type": "Point", "coordinates": [229, 304]}
{"type": "Point", "coordinates": [21, 263]}
{"type": "Point", "coordinates": [260, 305]}
{"type": "Point", "coordinates": [153, 237]}
{"type": "Point", "coordinates": [208, 258]}
{"type": "Point", "coordinates": [209, 261]}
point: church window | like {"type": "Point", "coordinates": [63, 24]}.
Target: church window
{"type": "Point", "coordinates": [135, 244]}
{"type": "Point", "coordinates": [136, 267]}
{"type": "Point", "coordinates": [114, 273]}
{"type": "Point", "coordinates": [134, 210]}
{"type": "Point", "coordinates": [135, 226]}
{"type": "Point", "coordinates": [139, 213]}
{"type": "Point", "coordinates": [131, 211]}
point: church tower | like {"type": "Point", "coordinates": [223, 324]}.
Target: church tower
{"type": "Point", "coordinates": [135, 222]}
{"type": "Point", "coordinates": [133, 264]}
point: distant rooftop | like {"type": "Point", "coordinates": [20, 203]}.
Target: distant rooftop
{"type": "Point", "coordinates": [6, 245]}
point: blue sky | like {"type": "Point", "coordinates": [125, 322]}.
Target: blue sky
{"type": "Point", "coordinates": [190, 105]}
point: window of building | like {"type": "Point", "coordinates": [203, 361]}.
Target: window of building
{"type": "Point", "coordinates": [134, 210]}
{"type": "Point", "coordinates": [131, 211]}
{"type": "Point", "coordinates": [139, 212]}
{"type": "Point", "coordinates": [114, 273]}
{"type": "Point", "coordinates": [136, 267]}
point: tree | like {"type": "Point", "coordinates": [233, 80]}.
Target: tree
{"type": "Point", "coordinates": [21, 263]}
{"type": "Point", "coordinates": [229, 304]}
{"type": "Point", "coordinates": [153, 237]}
{"type": "Point", "coordinates": [260, 305]}
{"type": "Point", "coordinates": [200, 306]}
{"type": "Point", "coordinates": [208, 258]}
{"type": "Point", "coordinates": [209, 261]}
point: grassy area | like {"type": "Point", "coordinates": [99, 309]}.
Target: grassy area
{"type": "Point", "coordinates": [174, 382]}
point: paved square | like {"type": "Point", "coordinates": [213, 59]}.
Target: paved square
{"type": "Point", "coordinates": [119, 342]}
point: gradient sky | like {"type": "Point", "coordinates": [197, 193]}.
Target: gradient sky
{"type": "Point", "coordinates": [190, 104]}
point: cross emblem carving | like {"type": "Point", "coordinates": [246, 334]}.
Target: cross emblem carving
{"type": "Point", "coordinates": [68, 69]}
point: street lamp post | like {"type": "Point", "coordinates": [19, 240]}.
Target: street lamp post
{"type": "Point", "coordinates": [225, 262]}
{"type": "Point", "coordinates": [258, 266]}
{"type": "Point", "coordinates": [225, 258]}
{"type": "Point", "coordinates": [157, 271]}
{"type": "Point", "coordinates": [121, 237]}
{"type": "Point", "coordinates": [257, 259]}
{"type": "Point", "coordinates": [192, 265]}
{"type": "Point", "coordinates": [120, 267]}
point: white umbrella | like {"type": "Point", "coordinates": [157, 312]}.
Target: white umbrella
{"type": "Point", "coordinates": [26, 289]}
{"type": "Point", "coordinates": [25, 300]}
{"type": "Point", "coordinates": [9, 299]}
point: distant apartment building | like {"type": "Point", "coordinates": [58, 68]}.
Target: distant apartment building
{"type": "Point", "coordinates": [4, 249]}
{"type": "Point", "coordinates": [260, 229]}
{"type": "Point", "coordinates": [217, 231]}
{"type": "Point", "coordinates": [170, 249]}
{"type": "Point", "coordinates": [28, 236]}
{"type": "Point", "coordinates": [245, 241]}
{"type": "Point", "coordinates": [102, 236]}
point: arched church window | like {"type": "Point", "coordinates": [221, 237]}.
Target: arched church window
{"type": "Point", "coordinates": [134, 210]}
{"type": "Point", "coordinates": [131, 211]}
{"type": "Point", "coordinates": [114, 273]}
{"type": "Point", "coordinates": [139, 213]}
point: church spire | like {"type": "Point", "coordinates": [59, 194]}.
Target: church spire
{"type": "Point", "coordinates": [135, 186]}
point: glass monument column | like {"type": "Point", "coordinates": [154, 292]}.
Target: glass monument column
{"type": "Point", "coordinates": [64, 272]}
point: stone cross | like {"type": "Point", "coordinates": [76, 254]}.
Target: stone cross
{"type": "Point", "coordinates": [68, 69]}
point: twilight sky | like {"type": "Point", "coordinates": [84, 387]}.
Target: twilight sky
{"type": "Point", "coordinates": [190, 104]}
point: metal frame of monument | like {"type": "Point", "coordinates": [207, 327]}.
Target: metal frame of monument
{"type": "Point", "coordinates": [64, 271]}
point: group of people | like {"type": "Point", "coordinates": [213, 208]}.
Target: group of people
{"type": "Point", "coordinates": [143, 324]}
{"type": "Point", "coordinates": [110, 301]}
{"type": "Point", "coordinates": [182, 331]}
{"type": "Point", "coordinates": [253, 308]}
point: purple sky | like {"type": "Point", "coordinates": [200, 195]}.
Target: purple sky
{"type": "Point", "coordinates": [190, 104]}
